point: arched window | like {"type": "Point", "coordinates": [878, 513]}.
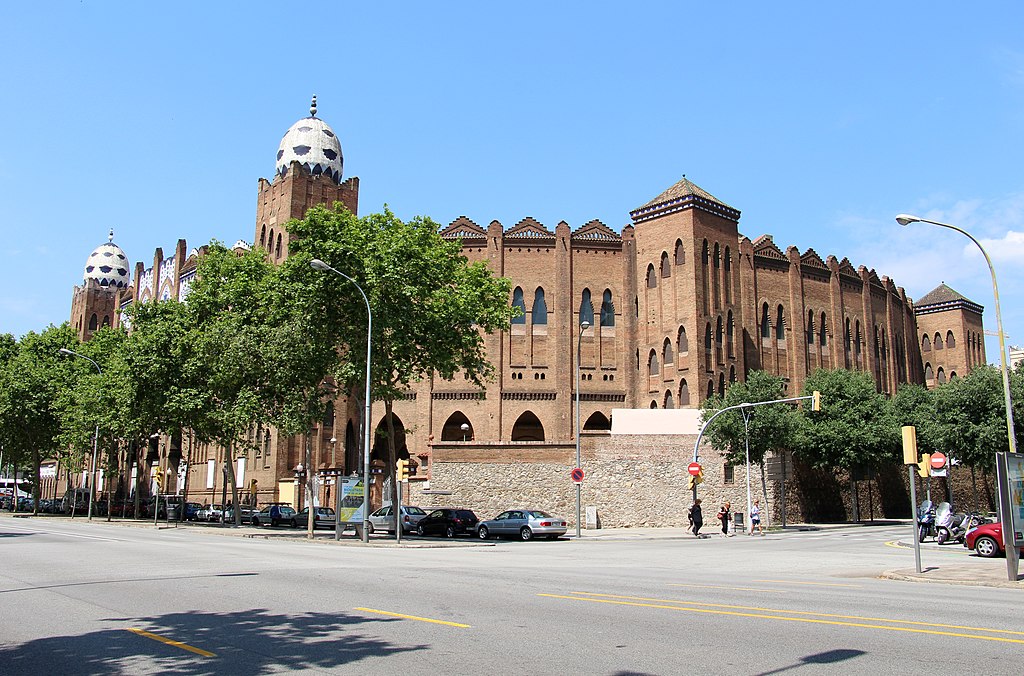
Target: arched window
{"type": "Point", "coordinates": [666, 353]}
{"type": "Point", "coordinates": [780, 324]}
{"type": "Point", "coordinates": [654, 404]}
{"type": "Point", "coordinates": [517, 301]}
{"type": "Point", "coordinates": [666, 266]}
{"type": "Point", "coordinates": [766, 329]}
{"type": "Point", "coordinates": [680, 252]}
{"type": "Point", "coordinates": [938, 341]}
{"type": "Point", "coordinates": [684, 393]}
{"type": "Point", "coordinates": [707, 346]}
{"type": "Point", "coordinates": [926, 344]}
{"type": "Point", "coordinates": [729, 335]}
{"type": "Point", "coordinates": [718, 340]}
{"type": "Point", "coordinates": [528, 428]}
{"type": "Point", "coordinates": [940, 375]}
{"type": "Point", "coordinates": [652, 364]}
{"type": "Point", "coordinates": [652, 279]}
{"type": "Point", "coordinates": [586, 308]}
{"type": "Point", "coordinates": [540, 307]}
{"type": "Point", "coordinates": [636, 306]}
{"type": "Point", "coordinates": [93, 321]}
{"type": "Point", "coordinates": [607, 309]}
{"type": "Point", "coordinates": [263, 235]}
{"type": "Point", "coordinates": [728, 275]}
{"type": "Point", "coordinates": [822, 333]}
{"type": "Point", "coordinates": [704, 277]}
{"type": "Point", "coordinates": [721, 384]}
{"type": "Point", "coordinates": [270, 242]}
{"type": "Point", "coordinates": [950, 341]}
{"type": "Point", "coordinates": [278, 252]}
{"type": "Point", "coordinates": [106, 320]}
{"type": "Point", "coordinates": [732, 374]}
{"type": "Point", "coordinates": [810, 327]}
{"type": "Point", "coordinates": [682, 344]}
{"type": "Point", "coordinates": [716, 280]}
{"type": "Point", "coordinates": [860, 339]}
{"type": "Point", "coordinates": [928, 373]}
{"type": "Point", "coordinates": [846, 335]}
{"type": "Point", "coordinates": [669, 403]}
{"type": "Point", "coordinates": [952, 376]}
{"type": "Point", "coordinates": [711, 388]}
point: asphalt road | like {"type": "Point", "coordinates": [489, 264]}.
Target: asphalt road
{"type": "Point", "coordinates": [81, 598]}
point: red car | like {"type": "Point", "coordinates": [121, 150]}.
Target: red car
{"type": "Point", "coordinates": [986, 540]}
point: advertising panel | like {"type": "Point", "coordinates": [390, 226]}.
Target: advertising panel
{"type": "Point", "coordinates": [350, 505]}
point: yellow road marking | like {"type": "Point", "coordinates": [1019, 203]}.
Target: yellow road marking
{"type": "Point", "coordinates": [170, 641]}
{"type": "Point", "coordinates": [712, 586]}
{"type": "Point", "coordinates": [413, 617]}
{"type": "Point", "coordinates": [759, 613]}
{"type": "Point", "coordinates": [897, 544]}
{"type": "Point", "coordinates": [813, 584]}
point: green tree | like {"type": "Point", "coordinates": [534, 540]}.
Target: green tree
{"type": "Point", "coordinates": [854, 426]}
{"type": "Point", "coordinates": [431, 307]}
{"type": "Point", "coordinates": [915, 405]}
{"type": "Point", "coordinates": [771, 428]}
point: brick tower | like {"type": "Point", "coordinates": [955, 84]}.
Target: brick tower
{"type": "Point", "coordinates": [687, 297]}
{"type": "Point", "coordinates": [950, 334]}
{"type": "Point", "coordinates": [94, 303]}
{"type": "Point", "coordinates": [308, 172]}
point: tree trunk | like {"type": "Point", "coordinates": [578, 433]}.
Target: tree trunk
{"type": "Point", "coordinates": [392, 460]}
{"type": "Point", "coordinates": [229, 464]}
{"type": "Point", "coordinates": [767, 513]}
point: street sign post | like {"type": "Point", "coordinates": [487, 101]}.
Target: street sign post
{"type": "Point", "coordinates": [693, 468]}
{"type": "Point", "coordinates": [576, 475]}
{"type": "Point", "coordinates": [938, 463]}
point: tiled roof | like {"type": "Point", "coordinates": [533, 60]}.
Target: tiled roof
{"type": "Point", "coordinates": [941, 294]}
{"type": "Point", "coordinates": [684, 194]}
{"type": "Point", "coordinates": [684, 188]}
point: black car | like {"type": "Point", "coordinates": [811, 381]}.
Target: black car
{"type": "Point", "coordinates": [448, 522]}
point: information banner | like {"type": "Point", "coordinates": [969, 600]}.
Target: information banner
{"type": "Point", "coordinates": [351, 503]}
{"type": "Point", "coordinates": [1015, 479]}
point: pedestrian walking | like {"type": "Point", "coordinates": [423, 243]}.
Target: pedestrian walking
{"type": "Point", "coordinates": [725, 515]}
{"type": "Point", "coordinates": [755, 518]}
{"type": "Point", "coordinates": [696, 517]}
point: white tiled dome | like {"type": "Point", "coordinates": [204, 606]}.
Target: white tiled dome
{"type": "Point", "coordinates": [312, 143]}
{"type": "Point", "coordinates": [108, 265]}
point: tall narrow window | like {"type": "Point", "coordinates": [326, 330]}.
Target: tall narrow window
{"type": "Point", "coordinates": [586, 308]}
{"type": "Point", "coordinates": [652, 364]}
{"type": "Point", "coordinates": [709, 364]}
{"type": "Point", "coordinates": [780, 324]}
{"type": "Point", "coordinates": [680, 252]}
{"type": "Point", "coordinates": [278, 252]}
{"type": "Point", "coordinates": [926, 344]}
{"type": "Point", "coordinates": [705, 277]}
{"type": "Point", "coordinates": [263, 236]}
{"type": "Point", "coordinates": [540, 307]}
{"type": "Point", "coordinates": [727, 263]}
{"type": "Point", "coordinates": [666, 352]}
{"type": "Point", "coordinates": [728, 335]}
{"type": "Point", "coordinates": [517, 301]}
{"type": "Point", "coordinates": [938, 341]}
{"type": "Point", "coordinates": [607, 309]}
{"type": "Point", "coordinates": [684, 393]}
{"type": "Point", "coordinates": [666, 265]}
{"type": "Point", "coordinates": [682, 344]}
{"type": "Point", "coordinates": [950, 340]}
{"type": "Point", "coordinates": [822, 332]}
{"type": "Point", "coordinates": [766, 329]}
{"type": "Point", "coordinates": [846, 335]}
{"type": "Point", "coordinates": [718, 341]}
{"type": "Point", "coordinates": [716, 280]}
{"type": "Point", "coordinates": [810, 327]}
{"type": "Point", "coordinates": [652, 279]}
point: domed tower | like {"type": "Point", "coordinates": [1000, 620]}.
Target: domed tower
{"type": "Point", "coordinates": [94, 303]}
{"type": "Point", "coordinates": [308, 172]}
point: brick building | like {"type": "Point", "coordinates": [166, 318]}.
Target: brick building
{"type": "Point", "coordinates": [663, 314]}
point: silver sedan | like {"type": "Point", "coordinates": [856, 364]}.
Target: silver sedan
{"type": "Point", "coordinates": [524, 524]}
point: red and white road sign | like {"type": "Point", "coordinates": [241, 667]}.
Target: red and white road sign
{"type": "Point", "coordinates": [938, 460]}
{"type": "Point", "coordinates": [577, 475]}
{"type": "Point", "coordinates": [694, 468]}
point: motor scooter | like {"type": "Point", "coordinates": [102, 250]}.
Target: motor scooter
{"type": "Point", "coordinates": [947, 523]}
{"type": "Point", "coordinates": [925, 520]}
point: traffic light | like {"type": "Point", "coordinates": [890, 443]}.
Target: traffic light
{"type": "Point", "coordinates": [696, 479]}
{"type": "Point", "coordinates": [924, 467]}
{"type": "Point", "coordinates": [402, 470]}
{"type": "Point", "coordinates": [816, 400]}
{"type": "Point", "coordinates": [158, 480]}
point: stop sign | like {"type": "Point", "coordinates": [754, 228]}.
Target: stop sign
{"type": "Point", "coordinates": [938, 460]}
{"type": "Point", "coordinates": [693, 468]}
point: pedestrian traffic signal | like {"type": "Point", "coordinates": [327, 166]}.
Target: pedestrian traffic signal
{"type": "Point", "coordinates": [816, 400]}
{"type": "Point", "coordinates": [402, 470]}
{"type": "Point", "coordinates": [924, 467]}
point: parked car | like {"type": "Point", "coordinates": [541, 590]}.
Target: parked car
{"type": "Point", "coordinates": [987, 540]}
{"type": "Point", "coordinates": [210, 513]}
{"type": "Point", "coordinates": [74, 497]}
{"type": "Point", "coordinates": [524, 524]}
{"type": "Point", "coordinates": [229, 514]}
{"type": "Point", "coordinates": [448, 522]}
{"type": "Point", "coordinates": [275, 514]}
{"type": "Point", "coordinates": [384, 519]}
{"type": "Point", "coordinates": [323, 517]}
{"type": "Point", "coordinates": [192, 511]}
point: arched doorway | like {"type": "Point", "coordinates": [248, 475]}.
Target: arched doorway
{"type": "Point", "coordinates": [457, 428]}
{"type": "Point", "coordinates": [528, 428]}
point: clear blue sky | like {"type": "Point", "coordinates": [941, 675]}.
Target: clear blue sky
{"type": "Point", "coordinates": [819, 121]}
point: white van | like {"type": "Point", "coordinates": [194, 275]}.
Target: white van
{"type": "Point", "coordinates": [79, 497]}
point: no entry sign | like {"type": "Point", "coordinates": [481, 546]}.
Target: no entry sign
{"type": "Point", "coordinates": [693, 468]}
{"type": "Point", "coordinates": [577, 475]}
{"type": "Point", "coordinates": [938, 460]}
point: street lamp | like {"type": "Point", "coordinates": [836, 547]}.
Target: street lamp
{"type": "Point", "coordinates": [318, 264]}
{"type": "Point", "coordinates": [96, 434]}
{"type": "Point", "coordinates": [465, 430]}
{"type": "Point", "coordinates": [584, 325]}
{"type": "Point", "coordinates": [300, 476]}
{"type": "Point", "coordinates": [1011, 550]}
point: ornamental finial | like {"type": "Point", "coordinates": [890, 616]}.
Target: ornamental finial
{"type": "Point", "coordinates": [312, 107]}
{"type": "Point", "coordinates": [110, 237]}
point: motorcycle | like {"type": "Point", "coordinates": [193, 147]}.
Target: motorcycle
{"type": "Point", "coordinates": [946, 522]}
{"type": "Point", "coordinates": [925, 520]}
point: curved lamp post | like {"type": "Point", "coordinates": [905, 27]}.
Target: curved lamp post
{"type": "Point", "coordinates": [96, 434]}
{"type": "Point", "coordinates": [584, 325]}
{"type": "Point", "coordinates": [1011, 550]}
{"type": "Point", "coordinates": [318, 264]}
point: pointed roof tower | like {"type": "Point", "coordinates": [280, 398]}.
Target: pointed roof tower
{"type": "Point", "coordinates": [684, 195]}
{"type": "Point", "coordinates": [943, 298]}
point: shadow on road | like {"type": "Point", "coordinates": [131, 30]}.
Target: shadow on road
{"type": "Point", "coordinates": [250, 642]}
{"type": "Point", "coordinates": [827, 657]}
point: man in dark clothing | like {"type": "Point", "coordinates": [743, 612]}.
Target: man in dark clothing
{"type": "Point", "coordinates": [696, 517]}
